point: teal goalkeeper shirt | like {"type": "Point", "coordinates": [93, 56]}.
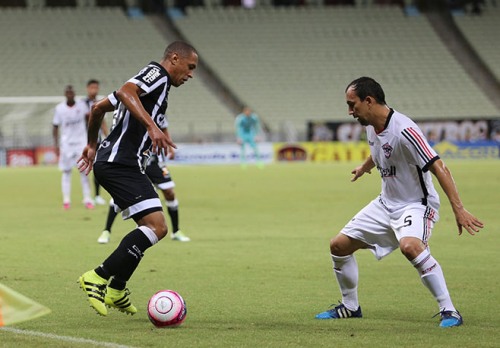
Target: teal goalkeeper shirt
{"type": "Point", "coordinates": [247, 126]}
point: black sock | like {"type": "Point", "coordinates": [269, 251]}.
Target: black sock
{"type": "Point", "coordinates": [97, 186]}
{"type": "Point", "coordinates": [117, 284]}
{"type": "Point", "coordinates": [174, 217]}
{"type": "Point", "coordinates": [124, 260]}
{"type": "Point", "coordinates": [102, 272]}
{"type": "Point", "coordinates": [111, 218]}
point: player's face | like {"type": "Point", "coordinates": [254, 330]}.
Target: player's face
{"type": "Point", "coordinates": [183, 69]}
{"type": "Point", "coordinates": [93, 90]}
{"type": "Point", "coordinates": [70, 95]}
{"type": "Point", "coordinates": [357, 108]}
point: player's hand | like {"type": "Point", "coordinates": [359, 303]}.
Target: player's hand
{"type": "Point", "coordinates": [160, 141]}
{"type": "Point", "coordinates": [358, 172]}
{"type": "Point", "coordinates": [239, 141]}
{"type": "Point", "coordinates": [171, 154]}
{"type": "Point", "coordinates": [468, 221]}
{"type": "Point", "coordinates": [86, 160]}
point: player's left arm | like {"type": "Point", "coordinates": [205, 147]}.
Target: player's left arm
{"type": "Point", "coordinates": [97, 113]}
{"type": "Point", "coordinates": [463, 218]}
{"type": "Point", "coordinates": [259, 132]}
{"type": "Point", "coordinates": [171, 152]}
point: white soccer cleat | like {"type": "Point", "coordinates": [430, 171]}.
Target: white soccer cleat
{"type": "Point", "coordinates": [104, 237]}
{"type": "Point", "coordinates": [99, 200]}
{"type": "Point", "coordinates": [179, 236]}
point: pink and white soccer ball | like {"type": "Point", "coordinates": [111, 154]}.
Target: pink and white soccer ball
{"type": "Point", "coordinates": [166, 308]}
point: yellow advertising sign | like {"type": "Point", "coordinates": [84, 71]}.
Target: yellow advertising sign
{"type": "Point", "coordinates": [321, 151]}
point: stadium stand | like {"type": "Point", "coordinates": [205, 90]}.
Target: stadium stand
{"type": "Point", "coordinates": [44, 49]}
{"type": "Point", "coordinates": [483, 32]}
{"type": "Point", "coordinates": [293, 63]}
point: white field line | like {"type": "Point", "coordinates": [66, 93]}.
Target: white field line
{"type": "Point", "coordinates": [63, 338]}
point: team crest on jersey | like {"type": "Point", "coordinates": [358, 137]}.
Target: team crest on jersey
{"type": "Point", "coordinates": [104, 144]}
{"type": "Point", "coordinates": [387, 150]}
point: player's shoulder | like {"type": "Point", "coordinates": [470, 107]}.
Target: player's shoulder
{"type": "Point", "coordinates": [61, 107]}
{"type": "Point", "coordinates": [401, 122]}
{"type": "Point", "coordinates": [151, 73]}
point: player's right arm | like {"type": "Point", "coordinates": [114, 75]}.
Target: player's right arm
{"type": "Point", "coordinates": [56, 121]}
{"type": "Point", "coordinates": [96, 116]}
{"type": "Point", "coordinates": [238, 129]}
{"type": "Point", "coordinates": [55, 135]}
{"type": "Point", "coordinates": [366, 167]}
{"type": "Point", "coordinates": [129, 94]}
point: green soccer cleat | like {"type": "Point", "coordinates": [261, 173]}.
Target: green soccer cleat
{"type": "Point", "coordinates": [95, 288]}
{"type": "Point", "coordinates": [119, 299]}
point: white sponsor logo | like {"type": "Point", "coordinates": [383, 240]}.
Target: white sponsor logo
{"type": "Point", "coordinates": [151, 75]}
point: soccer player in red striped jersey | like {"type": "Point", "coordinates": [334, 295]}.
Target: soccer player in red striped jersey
{"type": "Point", "coordinates": [404, 213]}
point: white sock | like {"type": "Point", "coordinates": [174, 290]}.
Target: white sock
{"type": "Point", "coordinates": [346, 271]}
{"type": "Point", "coordinates": [172, 204]}
{"type": "Point", "coordinates": [433, 278]}
{"type": "Point", "coordinates": [84, 179]}
{"type": "Point", "coordinates": [66, 186]}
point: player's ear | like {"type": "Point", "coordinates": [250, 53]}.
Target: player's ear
{"type": "Point", "coordinates": [174, 58]}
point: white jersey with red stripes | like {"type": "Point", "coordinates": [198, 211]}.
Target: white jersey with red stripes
{"type": "Point", "coordinates": [402, 156]}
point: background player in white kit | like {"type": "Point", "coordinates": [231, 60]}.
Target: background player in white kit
{"type": "Point", "coordinates": [70, 138]}
{"type": "Point", "coordinates": [407, 208]}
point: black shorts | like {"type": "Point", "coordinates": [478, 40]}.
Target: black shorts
{"type": "Point", "coordinates": [131, 190]}
{"type": "Point", "coordinates": [159, 176]}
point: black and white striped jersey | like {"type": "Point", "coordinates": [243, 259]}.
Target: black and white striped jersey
{"type": "Point", "coordinates": [128, 142]}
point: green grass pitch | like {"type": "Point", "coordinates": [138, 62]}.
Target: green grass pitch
{"type": "Point", "coordinates": [258, 267]}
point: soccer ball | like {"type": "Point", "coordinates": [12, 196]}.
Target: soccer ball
{"type": "Point", "coordinates": [166, 308]}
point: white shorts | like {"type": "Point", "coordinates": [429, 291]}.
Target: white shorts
{"type": "Point", "coordinates": [68, 158]}
{"type": "Point", "coordinates": [382, 230]}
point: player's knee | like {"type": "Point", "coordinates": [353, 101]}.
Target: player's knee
{"type": "Point", "coordinates": [336, 247]}
{"type": "Point", "coordinates": [169, 194]}
{"type": "Point", "coordinates": [160, 229]}
{"type": "Point", "coordinates": [157, 223]}
{"type": "Point", "coordinates": [411, 248]}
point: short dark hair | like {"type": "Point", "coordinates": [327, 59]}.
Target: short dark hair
{"type": "Point", "coordinates": [366, 86]}
{"type": "Point", "coordinates": [180, 47]}
{"type": "Point", "coordinates": [92, 81]}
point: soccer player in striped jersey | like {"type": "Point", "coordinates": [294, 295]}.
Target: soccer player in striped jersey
{"type": "Point", "coordinates": [119, 165]}
{"type": "Point", "coordinates": [403, 215]}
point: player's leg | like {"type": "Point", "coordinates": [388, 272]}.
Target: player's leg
{"type": "Point", "coordinates": [106, 233]}
{"type": "Point", "coordinates": [97, 189]}
{"type": "Point", "coordinates": [133, 193]}
{"type": "Point", "coordinates": [160, 176]}
{"type": "Point", "coordinates": [243, 154]}
{"type": "Point", "coordinates": [173, 211]}
{"type": "Point", "coordinates": [122, 263]}
{"type": "Point", "coordinates": [84, 181]}
{"type": "Point", "coordinates": [367, 230]}
{"type": "Point", "coordinates": [414, 228]}
{"type": "Point", "coordinates": [66, 188]}
{"type": "Point", "coordinates": [255, 148]}
{"type": "Point", "coordinates": [65, 166]}
{"type": "Point", "coordinates": [345, 268]}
